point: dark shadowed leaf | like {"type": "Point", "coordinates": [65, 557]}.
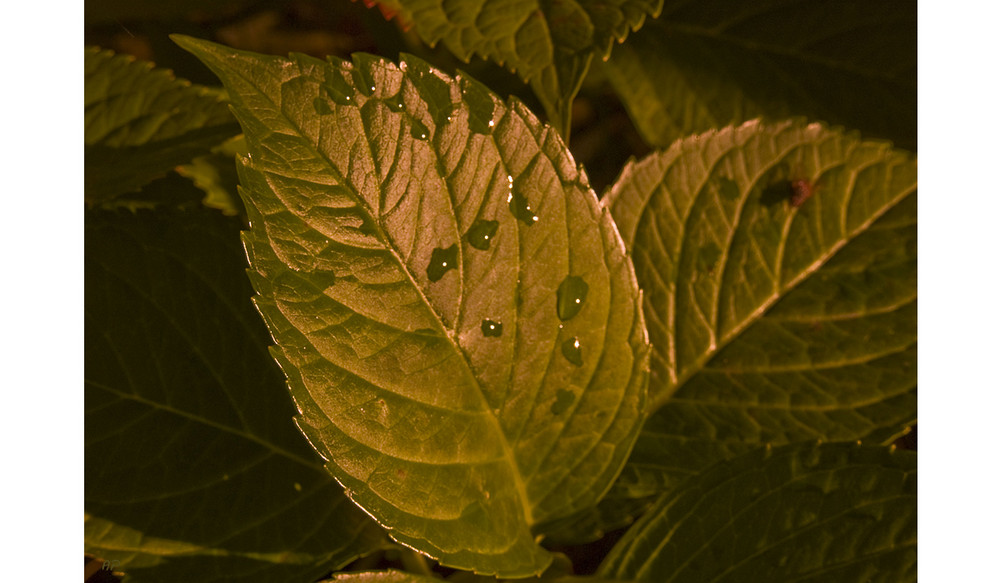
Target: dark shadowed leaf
{"type": "Point", "coordinates": [194, 470]}
{"type": "Point", "coordinates": [800, 513]}
{"type": "Point", "coordinates": [707, 64]}
{"type": "Point", "coordinates": [140, 122]}
{"type": "Point", "coordinates": [549, 43]}
{"type": "Point", "coordinates": [422, 342]}
{"type": "Point", "coordinates": [770, 322]}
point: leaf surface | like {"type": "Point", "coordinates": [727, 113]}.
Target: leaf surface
{"type": "Point", "coordinates": [456, 315]}
{"type": "Point", "coordinates": [803, 513]}
{"type": "Point", "coordinates": [705, 65]}
{"type": "Point", "coordinates": [194, 471]}
{"type": "Point", "coordinates": [140, 122]}
{"type": "Point", "coordinates": [770, 322]}
{"type": "Point", "coordinates": [549, 44]}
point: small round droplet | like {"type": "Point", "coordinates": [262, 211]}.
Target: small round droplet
{"type": "Point", "coordinates": [570, 296]}
{"type": "Point", "coordinates": [492, 123]}
{"type": "Point", "coordinates": [481, 234]}
{"type": "Point", "coordinates": [491, 329]}
{"type": "Point", "coordinates": [418, 130]}
{"type": "Point", "coordinates": [571, 350]}
{"type": "Point", "coordinates": [442, 261]}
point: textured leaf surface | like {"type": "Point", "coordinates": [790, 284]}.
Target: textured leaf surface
{"type": "Point", "coordinates": [770, 322]}
{"type": "Point", "coordinates": [140, 122]}
{"type": "Point", "coordinates": [705, 65]}
{"type": "Point", "coordinates": [547, 43]}
{"type": "Point", "coordinates": [194, 471]}
{"type": "Point", "coordinates": [390, 576]}
{"type": "Point", "coordinates": [835, 512]}
{"type": "Point", "coordinates": [455, 312]}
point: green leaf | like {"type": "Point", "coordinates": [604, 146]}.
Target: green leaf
{"type": "Point", "coordinates": [770, 322]}
{"type": "Point", "coordinates": [704, 65]}
{"type": "Point", "coordinates": [390, 576]}
{"type": "Point", "coordinates": [833, 512]}
{"type": "Point", "coordinates": [549, 43]}
{"type": "Point", "coordinates": [215, 175]}
{"type": "Point", "coordinates": [194, 471]}
{"type": "Point", "coordinates": [140, 122]}
{"type": "Point", "coordinates": [425, 357]}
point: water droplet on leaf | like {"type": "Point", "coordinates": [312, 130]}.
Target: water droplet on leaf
{"type": "Point", "coordinates": [418, 130]}
{"type": "Point", "coordinates": [570, 296]}
{"type": "Point", "coordinates": [564, 398]}
{"type": "Point", "coordinates": [571, 350]}
{"type": "Point", "coordinates": [338, 89]}
{"type": "Point", "coordinates": [520, 208]}
{"type": "Point", "coordinates": [442, 261]}
{"type": "Point", "coordinates": [491, 328]}
{"type": "Point", "coordinates": [481, 233]}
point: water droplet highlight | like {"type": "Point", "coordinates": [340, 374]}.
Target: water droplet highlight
{"type": "Point", "coordinates": [481, 233]}
{"type": "Point", "coordinates": [564, 398]}
{"type": "Point", "coordinates": [418, 130]}
{"type": "Point", "coordinates": [570, 296]}
{"type": "Point", "coordinates": [491, 329]}
{"type": "Point", "coordinates": [321, 106]}
{"type": "Point", "coordinates": [363, 79]}
{"type": "Point", "coordinates": [520, 208]}
{"type": "Point", "coordinates": [442, 261]}
{"type": "Point", "coordinates": [571, 350]}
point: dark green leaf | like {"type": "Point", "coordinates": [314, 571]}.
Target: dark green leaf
{"type": "Point", "coordinates": [802, 325]}
{"type": "Point", "coordinates": [361, 258]}
{"type": "Point", "coordinates": [708, 64]}
{"type": "Point", "coordinates": [194, 471]}
{"type": "Point", "coordinates": [805, 513]}
{"type": "Point", "coordinates": [549, 43]}
{"type": "Point", "coordinates": [140, 122]}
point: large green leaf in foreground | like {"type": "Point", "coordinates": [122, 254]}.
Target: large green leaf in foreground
{"type": "Point", "coordinates": [707, 64]}
{"type": "Point", "coordinates": [455, 312]}
{"type": "Point", "coordinates": [141, 122]}
{"type": "Point", "coordinates": [194, 471]}
{"type": "Point", "coordinates": [800, 513]}
{"type": "Point", "coordinates": [549, 44]}
{"type": "Point", "coordinates": [771, 322]}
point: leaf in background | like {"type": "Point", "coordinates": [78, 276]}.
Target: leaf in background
{"type": "Point", "coordinates": [194, 472]}
{"type": "Point", "coordinates": [831, 512]}
{"type": "Point", "coordinates": [549, 43]}
{"type": "Point", "coordinates": [215, 175]}
{"type": "Point", "coordinates": [140, 122]}
{"type": "Point", "coordinates": [704, 65]}
{"type": "Point", "coordinates": [770, 323]}
{"type": "Point", "coordinates": [456, 315]}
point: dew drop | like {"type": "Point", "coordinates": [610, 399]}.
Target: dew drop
{"type": "Point", "coordinates": [571, 350]}
{"type": "Point", "coordinates": [321, 106]}
{"type": "Point", "coordinates": [570, 296]}
{"type": "Point", "coordinates": [520, 208]}
{"type": "Point", "coordinates": [564, 398]}
{"type": "Point", "coordinates": [492, 123]}
{"type": "Point", "coordinates": [338, 90]}
{"type": "Point", "coordinates": [442, 261]}
{"type": "Point", "coordinates": [491, 329]}
{"type": "Point", "coordinates": [418, 130]}
{"type": "Point", "coordinates": [363, 80]}
{"type": "Point", "coordinates": [481, 234]}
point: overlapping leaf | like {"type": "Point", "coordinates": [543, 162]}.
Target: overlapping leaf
{"type": "Point", "coordinates": [833, 512]}
{"type": "Point", "coordinates": [704, 65]}
{"type": "Point", "coordinates": [770, 322]}
{"type": "Point", "coordinates": [548, 43]}
{"type": "Point", "coordinates": [194, 471]}
{"type": "Point", "coordinates": [454, 311]}
{"type": "Point", "coordinates": [140, 122]}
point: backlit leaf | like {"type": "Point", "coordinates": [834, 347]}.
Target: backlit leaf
{"type": "Point", "coordinates": [770, 322]}
{"type": "Point", "coordinates": [422, 342]}
{"type": "Point", "coordinates": [804, 513]}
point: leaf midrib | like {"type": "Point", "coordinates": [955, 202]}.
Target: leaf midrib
{"type": "Point", "coordinates": [390, 246]}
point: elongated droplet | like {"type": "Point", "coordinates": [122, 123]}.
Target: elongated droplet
{"type": "Point", "coordinates": [418, 130]}
{"type": "Point", "coordinates": [520, 208]}
{"type": "Point", "coordinates": [338, 89]}
{"type": "Point", "coordinates": [570, 296]}
{"type": "Point", "coordinates": [321, 106]}
{"type": "Point", "coordinates": [481, 234]}
{"type": "Point", "coordinates": [571, 350]}
{"type": "Point", "coordinates": [363, 80]}
{"type": "Point", "coordinates": [442, 261]}
{"type": "Point", "coordinates": [491, 328]}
